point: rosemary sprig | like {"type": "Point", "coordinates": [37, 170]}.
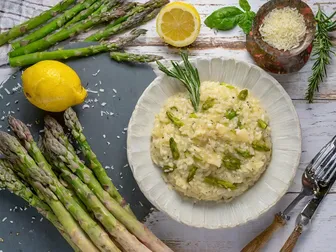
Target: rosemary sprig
{"type": "Point", "coordinates": [188, 75]}
{"type": "Point", "coordinates": [322, 52]}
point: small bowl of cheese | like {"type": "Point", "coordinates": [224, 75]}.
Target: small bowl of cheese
{"type": "Point", "coordinates": [282, 35]}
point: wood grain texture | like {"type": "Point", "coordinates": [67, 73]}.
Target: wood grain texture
{"type": "Point", "coordinates": [292, 240]}
{"type": "Point", "coordinates": [263, 238]}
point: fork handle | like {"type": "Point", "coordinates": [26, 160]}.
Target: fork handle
{"type": "Point", "coordinates": [260, 241]}
{"type": "Point", "coordinates": [292, 240]}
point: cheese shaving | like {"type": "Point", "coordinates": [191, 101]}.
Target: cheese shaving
{"type": "Point", "coordinates": [283, 29]}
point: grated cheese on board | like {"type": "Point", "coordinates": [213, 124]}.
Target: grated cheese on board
{"type": "Point", "coordinates": [283, 29]}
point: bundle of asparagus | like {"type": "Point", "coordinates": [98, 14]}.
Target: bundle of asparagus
{"type": "Point", "coordinates": [68, 23]}
{"type": "Point", "coordinates": [89, 212]}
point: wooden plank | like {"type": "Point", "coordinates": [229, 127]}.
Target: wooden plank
{"type": "Point", "coordinates": [320, 236]}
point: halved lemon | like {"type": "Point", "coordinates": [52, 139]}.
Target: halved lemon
{"type": "Point", "coordinates": [178, 24]}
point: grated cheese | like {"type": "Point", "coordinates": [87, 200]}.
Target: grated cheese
{"type": "Point", "coordinates": [283, 29]}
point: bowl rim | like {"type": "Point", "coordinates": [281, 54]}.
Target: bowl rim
{"type": "Point", "coordinates": [289, 102]}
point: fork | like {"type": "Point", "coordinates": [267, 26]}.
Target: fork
{"type": "Point", "coordinates": [314, 172]}
{"type": "Point", "coordinates": [327, 177]}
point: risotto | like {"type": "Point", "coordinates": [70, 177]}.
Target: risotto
{"type": "Point", "coordinates": [217, 153]}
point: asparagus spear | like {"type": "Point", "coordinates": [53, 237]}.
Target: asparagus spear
{"type": "Point", "coordinates": [219, 183]}
{"type": "Point", "coordinates": [128, 241]}
{"type": "Point", "coordinates": [30, 59]}
{"type": "Point", "coordinates": [243, 95]}
{"type": "Point", "coordinates": [38, 178]}
{"type": "Point", "coordinates": [74, 30]}
{"type": "Point", "coordinates": [209, 103]}
{"type": "Point", "coordinates": [55, 24]}
{"type": "Point", "coordinates": [72, 122]}
{"type": "Point", "coordinates": [231, 162]}
{"type": "Point", "coordinates": [176, 121]}
{"type": "Point", "coordinates": [57, 130]}
{"type": "Point", "coordinates": [131, 19]}
{"type": "Point", "coordinates": [42, 173]}
{"type": "Point", "coordinates": [260, 146]}
{"type": "Point", "coordinates": [10, 181]}
{"type": "Point", "coordinates": [85, 174]}
{"type": "Point", "coordinates": [174, 149]}
{"type": "Point", "coordinates": [107, 6]}
{"type": "Point", "coordinates": [135, 58]}
{"type": "Point", "coordinates": [84, 13]}
{"type": "Point", "coordinates": [21, 29]}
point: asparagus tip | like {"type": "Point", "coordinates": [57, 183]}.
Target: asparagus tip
{"type": "Point", "coordinates": [20, 129]}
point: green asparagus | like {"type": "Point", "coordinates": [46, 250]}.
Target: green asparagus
{"type": "Point", "coordinates": [121, 235]}
{"type": "Point", "coordinates": [57, 130]}
{"type": "Point", "coordinates": [168, 169]}
{"type": "Point", "coordinates": [174, 119]}
{"type": "Point", "coordinates": [84, 13]}
{"type": "Point", "coordinates": [139, 14]}
{"type": "Point", "coordinates": [230, 162]}
{"type": "Point", "coordinates": [230, 114]}
{"type": "Point", "coordinates": [30, 59]}
{"type": "Point", "coordinates": [63, 34]}
{"type": "Point", "coordinates": [85, 174]}
{"type": "Point", "coordinates": [10, 181]}
{"type": "Point", "coordinates": [174, 149]}
{"type": "Point", "coordinates": [243, 95]}
{"type": "Point", "coordinates": [32, 23]}
{"type": "Point", "coordinates": [262, 124]}
{"type": "Point", "coordinates": [54, 24]}
{"type": "Point", "coordinates": [135, 58]}
{"type": "Point", "coordinates": [209, 103]}
{"type": "Point", "coordinates": [193, 115]}
{"type": "Point", "coordinates": [192, 173]}
{"type": "Point", "coordinates": [49, 179]}
{"type": "Point", "coordinates": [219, 183]}
{"type": "Point", "coordinates": [260, 146]}
{"type": "Point", "coordinates": [244, 153]}
{"type": "Point", "coordinates": [42, 181]}
{"type": "Point", "coordinates": [72, 122]}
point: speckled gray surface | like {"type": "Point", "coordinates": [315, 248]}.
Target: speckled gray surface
{"type": "Point", "coordinates": [117, 85]}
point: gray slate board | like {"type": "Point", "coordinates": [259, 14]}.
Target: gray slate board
{"type": "Point", "coordinates": [129, 81]}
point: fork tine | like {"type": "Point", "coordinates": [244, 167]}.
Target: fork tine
{"type": "Point", "coordinates": [330, 173]}
{"type": "Point", "coordinates": [326, 167]}
{"type": "Point", "coordinates": [325, 159]}
{"type": "Point", "coordinates": [321, 155]}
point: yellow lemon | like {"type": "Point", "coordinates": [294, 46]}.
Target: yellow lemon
{"type": "Point", "coordinates": [178, 24]}
{"type": "Point", "coordinates": [52, 86]}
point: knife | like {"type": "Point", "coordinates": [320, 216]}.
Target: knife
{"type": "Point", "coordinates": [304, 218]}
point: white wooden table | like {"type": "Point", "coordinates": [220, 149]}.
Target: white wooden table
{"type": "Point", "coordinates": [318, 122]}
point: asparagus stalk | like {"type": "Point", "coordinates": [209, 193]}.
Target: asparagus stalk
{"type": "Point", "coordinates": [30, 59]}
{"type": "Point", "coordinates": [135, 58]}
{"type": "Point", "coordinates": [84, 13]}
{"type": "Point", "coordinates": [72, 122]}
{"type": "Point", "coordinates": [57, 131]}
{"type": "Point", "coordinates": [10, 181]}
{"type": "Point", "coordinates": [55, 24]}
{"type": "Point", "coordinates": [10, 147]}
{"type": "Point", "coordinates": [32, 23]}
{"type": "Point", "coordinates": [85, 174]}
{"type": "Point", "coordinates": [47, 179]}
{"type": "Point", "coordinates": [107, 6]}
{"type": "Point", "coordinates": [101, 7]}
{"type": "Point", "coordinates": [128, 241]}
{"type": "Point", "coordinates": [74, 30]}
{"type": "Point", "coordinates": [139, 14]}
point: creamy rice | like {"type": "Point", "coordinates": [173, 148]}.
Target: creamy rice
{"type": "Point", "coordinates": [220, 144]}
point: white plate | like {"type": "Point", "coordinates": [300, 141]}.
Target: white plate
{"type": "Point", "coordinates": [286, 139]}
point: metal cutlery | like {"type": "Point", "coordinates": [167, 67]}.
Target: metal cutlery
{"type": "Point", "coordinates": [304, 218]}
{"type": "Point", "coordinates": [317, 170]}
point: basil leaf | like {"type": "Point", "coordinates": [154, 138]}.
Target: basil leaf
{"type": "Point", "coordinates": [224, 19]}
{"type": "Point", "coordinates": [244, 5]}
{"type": "Point", "coordinates": [246, 21]}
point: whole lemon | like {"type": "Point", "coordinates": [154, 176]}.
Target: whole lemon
{"type": "Point", "coordinates": [52, 86]}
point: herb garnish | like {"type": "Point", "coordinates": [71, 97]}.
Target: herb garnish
{"type": "Point", "coordinates": [188, 75]}
{"type": "Point", "coordinates": [229, 17]}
